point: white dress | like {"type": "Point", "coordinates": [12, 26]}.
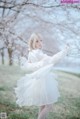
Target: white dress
{"type": "Point", "coordinates": [39, 86]}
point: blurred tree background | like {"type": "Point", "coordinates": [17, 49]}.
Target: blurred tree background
{"type": "Point", "coordinates": [58, 24]}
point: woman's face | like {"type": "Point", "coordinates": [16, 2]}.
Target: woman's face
{"type": "Point", "coordinates": [38, 43]}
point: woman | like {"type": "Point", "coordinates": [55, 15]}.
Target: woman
{"type": "Point", "coordinates": [39, 87]}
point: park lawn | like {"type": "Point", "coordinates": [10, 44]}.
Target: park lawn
{"type": "Point", "coordinates": [67, 107]}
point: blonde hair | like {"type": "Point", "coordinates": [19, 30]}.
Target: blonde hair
{"type": "Point", "coordinates": [32, 40]}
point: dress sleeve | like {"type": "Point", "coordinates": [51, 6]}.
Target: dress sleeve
{"type": "Point", "coordinates": [45, 60]}
{"type": "Point", "coordinates": [34, 61]}
{"type": "Point", "coordinates": [57, 57]}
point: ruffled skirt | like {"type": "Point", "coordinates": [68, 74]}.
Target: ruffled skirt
{"type": "Point", "coordinates": [38, 88]}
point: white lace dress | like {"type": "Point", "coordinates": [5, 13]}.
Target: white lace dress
{"type": "Point", "coordinates": [39, 86]}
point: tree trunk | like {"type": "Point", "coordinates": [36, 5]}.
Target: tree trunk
{"type": "Point", "coordinates": [10, 51]}
{"type": "Point", "coordinates": [2, 54]}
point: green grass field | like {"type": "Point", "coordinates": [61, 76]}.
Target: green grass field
{"type": "Point", "coordinates": [68, 106]}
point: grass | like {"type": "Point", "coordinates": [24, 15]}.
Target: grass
{"type": "Point", "coordinates": [68, 106]}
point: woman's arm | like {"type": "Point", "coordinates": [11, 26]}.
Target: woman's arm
{"type": "Point", "coordinates": [60, 55]}
{"type": "Point", "coordinates": [31, 67]}
{"type": "Point", "coordinates": [57, 57]}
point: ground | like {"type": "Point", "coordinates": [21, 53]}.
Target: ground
{"type": "Point", "coordinates": [67, 107]}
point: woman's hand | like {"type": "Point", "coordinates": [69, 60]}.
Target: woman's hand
{"type": "Point", "coordinates": [67, 46]}
{"type": "Point", "coordinates": [67, 49]}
